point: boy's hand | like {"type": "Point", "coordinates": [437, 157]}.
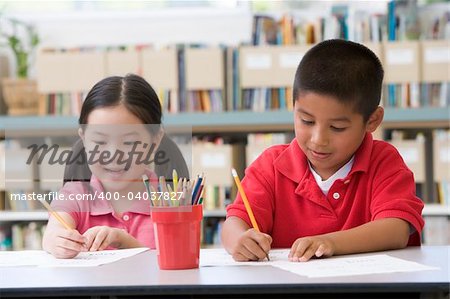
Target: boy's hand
{"type": "Point", "coordinates": [305, 248]}
{"type": "Point", "coordinates": [100, 237]}
{"type": "Point", "coordinates": [252, 246]}
{"type": "Point", "coordinates": [65, 244]}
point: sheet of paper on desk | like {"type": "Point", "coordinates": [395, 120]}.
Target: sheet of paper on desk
{"type": "Point", "coordinates": [84, 259]}
{"type": "Point", "coordinates": [219, 257]}
{"type": "Point", "coordinates": [348, 266]}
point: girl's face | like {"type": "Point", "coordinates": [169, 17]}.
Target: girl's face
{"type": "Point", "coordinates": [117, 145]}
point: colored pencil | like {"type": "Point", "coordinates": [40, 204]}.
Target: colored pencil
{"type": "Point", "coordinates": [246, 202]}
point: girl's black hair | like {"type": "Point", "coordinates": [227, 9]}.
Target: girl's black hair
{"type": "Point", "coordinates": [131, 91]}
{"type": "Point", "coordinates": [140, 99]}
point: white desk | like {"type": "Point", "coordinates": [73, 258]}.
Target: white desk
{"type": "Point", "coordinates": [139, 275]}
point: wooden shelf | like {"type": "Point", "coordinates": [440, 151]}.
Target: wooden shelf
{"type": "Point", "coordinates": [233, 121]}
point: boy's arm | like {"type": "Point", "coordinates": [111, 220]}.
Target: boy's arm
{"type": "Point", "coordinates": [244, 243]}
{"type": "Point", "coordinates": [377, 235]}
{"type": "Point", "coordinates": [382, 234]}
{"type": "Point", "coordinates": [232, 228]}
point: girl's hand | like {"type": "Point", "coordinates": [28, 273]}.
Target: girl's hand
{"type": "Point", "coordinates": [251, 246]}
{"type": "Point", "coordinates": [64, 243]}
{"type": "Point", "coordinates": [305, 248]}
{"type": "Point", "coordinates": [100, 237]}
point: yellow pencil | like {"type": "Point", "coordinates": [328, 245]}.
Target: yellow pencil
{"type": "Point", "coordinates": [55, 214]}
{"type": "Point", "coordinates": [175, 180]}
{"type": "Point", "coordinates": [246, 202]}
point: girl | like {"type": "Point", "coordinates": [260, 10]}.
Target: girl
{"type": "Point", "coordinates": [101, 201]}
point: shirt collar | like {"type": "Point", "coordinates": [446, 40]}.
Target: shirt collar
{"type": "Point", "coordinates": [340, 174]}
{"type": "Point", "coordinates": [292, 162]}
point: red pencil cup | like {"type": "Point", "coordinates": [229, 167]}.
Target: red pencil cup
{"type": "Point", "coordinates": [177, 236]}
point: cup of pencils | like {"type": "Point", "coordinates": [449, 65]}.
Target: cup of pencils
{"type": "Point", "coordinates": [177, 222]}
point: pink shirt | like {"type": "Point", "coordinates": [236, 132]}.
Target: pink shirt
{"type": "Point", "coordinates": [99, 212]}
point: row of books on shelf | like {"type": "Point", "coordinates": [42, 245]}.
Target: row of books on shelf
{"type": "Point", "coordinates": [22, 236]}
{"type": "Point", "coordinates": [342, 22]}
{"type": "Point", "coordinates": [416, 95]}
{"type": "Point", "coordinates": [212, 228]}
{"type": "Point", "coordinates": [401, 20]}
{"type": "Point", "coordinates": [210, 79]}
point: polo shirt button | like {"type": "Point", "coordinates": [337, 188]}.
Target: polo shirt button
{"type": "Point", "coordinates": [126, 217]}
{"type": "Point", "coordinates": [336, 195]}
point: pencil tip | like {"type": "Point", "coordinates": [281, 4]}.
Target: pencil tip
{"type": "Point", "coordinates": [145, 177]}
{"type": "Point", "coordinates": [233, 172]}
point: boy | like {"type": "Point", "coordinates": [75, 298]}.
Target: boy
{"type": "Point", "coordinates": [333, 190]}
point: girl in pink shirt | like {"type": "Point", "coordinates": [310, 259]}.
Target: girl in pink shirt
{"type": "Point", "coordinates": [106, 203]}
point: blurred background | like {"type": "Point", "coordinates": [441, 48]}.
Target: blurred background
{"type": "Point", "coordinates": [222, 69]}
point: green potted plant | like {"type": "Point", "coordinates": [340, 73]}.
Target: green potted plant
{"type": "Point", "coordinates": [20, 93]}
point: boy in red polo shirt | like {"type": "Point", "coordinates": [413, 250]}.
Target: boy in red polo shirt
{"type": "Point", "coordinates": [333, 190]}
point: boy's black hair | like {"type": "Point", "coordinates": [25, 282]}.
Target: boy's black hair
{"type": "Point", "coordinates": [343, 69]}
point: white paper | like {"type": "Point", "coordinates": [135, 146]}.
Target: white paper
{"type": "Point", "coordinates": [349, 266]}
{"type": "Point", "coordinates": [84, 259]}
{"type": "Point", "coordinates": [219, 257]}
{"type": "Point", "coordinates": [327, 267]}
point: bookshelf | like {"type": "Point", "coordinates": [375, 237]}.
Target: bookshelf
{"type": "Point", "coordinates": [232, 121]}
{"type": "Point", "coordinates": [236, 124]}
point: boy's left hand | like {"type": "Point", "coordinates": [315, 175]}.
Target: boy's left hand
{"type": "Point", "coordinates": [305, 248]}
{"type": "Point", "coordinates": [100, 237]}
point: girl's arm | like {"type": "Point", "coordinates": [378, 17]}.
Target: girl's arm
{"type": "Point", "coordinates": [101, 237]}
{"type": "Point", "coordinates": [61, 242]}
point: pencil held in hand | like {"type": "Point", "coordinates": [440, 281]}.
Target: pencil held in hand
{"type": "Point", "coordinates": [246, 202]}
{"type": "Point", "coordinates": [55, 214]}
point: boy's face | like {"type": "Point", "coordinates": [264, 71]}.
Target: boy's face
{"type": "Point", "coordinates": [327, 131]}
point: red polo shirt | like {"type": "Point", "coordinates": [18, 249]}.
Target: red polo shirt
{"type": "Point", "coordinates": [288, 203]}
